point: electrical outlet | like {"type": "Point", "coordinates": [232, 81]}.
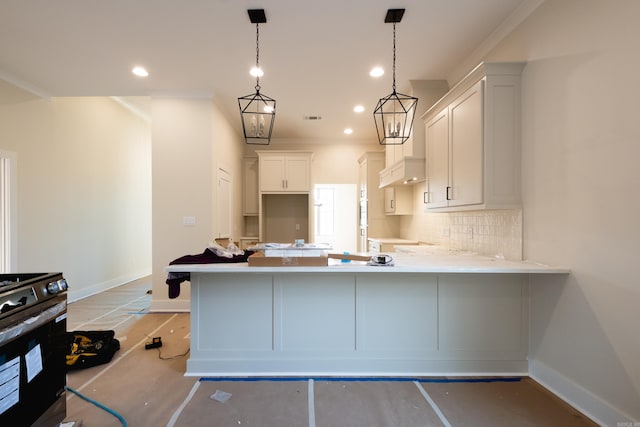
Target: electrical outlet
{"type": "Point", "coordinates": [297, 227]}
{"type": "Point", "coordinates": [188, 220]}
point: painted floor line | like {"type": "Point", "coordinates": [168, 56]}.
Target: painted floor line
{"type": "Point", "coordinates": [78, 327]}
{"type": "Point", "coordinates": [116, 361]}
{"type": "Point", "coordinates": [312, 405]}
{"type": "Point", "coordinates": [433, 404]}
{"type": "Point", "coordinates": [126, 319]}
{"type": "Point", "coordinates": [186, 401]}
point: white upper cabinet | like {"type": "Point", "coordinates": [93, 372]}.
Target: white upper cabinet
{"type": "Point", "coordinates": [473, 142]}
{"type": "Point", "coordinates": [437, 130]}
{"type": "Point", "coordinates": [398, 200]}
{"type": "Point", "coordinates": [285, 171]}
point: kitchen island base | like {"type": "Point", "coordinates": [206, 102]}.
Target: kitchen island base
{"type": "Point", "coordinates": [346, 323]}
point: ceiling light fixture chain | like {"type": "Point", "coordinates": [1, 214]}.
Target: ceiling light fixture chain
{"type": "Point", "coordinates": [394, 57]}
{"type": "Point", "coordinates": [257, 56]}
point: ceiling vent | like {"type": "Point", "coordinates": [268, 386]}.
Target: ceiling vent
{"type": "Point", "coordinates": [313, 117]}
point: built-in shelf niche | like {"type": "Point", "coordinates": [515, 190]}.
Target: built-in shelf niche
{"type": "Point", "coordinates": [285, 217]}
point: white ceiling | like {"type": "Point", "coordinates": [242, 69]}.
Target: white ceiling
{"type": "Point", "coordinates": [316, 54]}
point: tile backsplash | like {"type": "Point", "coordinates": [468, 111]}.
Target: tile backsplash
{"type": "Point", "coordinates": [487, 232]}
{"type": "Point", "coordinates": [496, 233]}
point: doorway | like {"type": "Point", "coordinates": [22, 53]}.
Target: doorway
{"type": "Point", "coordinates": [336, 214]}
{"type": "Point", "coordinates": [7, 211]}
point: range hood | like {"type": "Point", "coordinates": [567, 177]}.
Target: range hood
{"type": "Point", "coordinates": [408, 170]}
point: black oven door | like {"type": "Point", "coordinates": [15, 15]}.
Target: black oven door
{"type": "Point", "coordinates": [32, 366]}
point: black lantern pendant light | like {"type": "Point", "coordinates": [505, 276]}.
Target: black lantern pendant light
{"type": "Point", "coordinates": [394, 113]}
{"type": "Point", "coordinates": [257, 110]}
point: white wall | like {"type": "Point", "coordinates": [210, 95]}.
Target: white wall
{"type": "Point", "coordinates": [84, 179]}
{"type": "Point", "coordinates": [581, 145]}
{"type": "Point", "coordinates": [191, 138]}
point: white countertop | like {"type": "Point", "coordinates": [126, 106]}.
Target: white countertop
{"type": "Point", "coordinates": [412, 259]}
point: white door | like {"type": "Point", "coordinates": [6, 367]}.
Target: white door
{"type": "Point", "coordinates": [223, 223]}
{"type": "Point", "coordinates": [7, 211]}
{"type": "Point", "coordinates": [336, 216]}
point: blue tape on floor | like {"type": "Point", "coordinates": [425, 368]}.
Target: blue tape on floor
{"type": "Point", "coordinates": [390, 379]}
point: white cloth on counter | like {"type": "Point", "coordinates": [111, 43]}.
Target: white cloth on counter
{"type": "Point", "coordinates": [229, 252]}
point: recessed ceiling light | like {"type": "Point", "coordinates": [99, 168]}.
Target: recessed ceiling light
{"type": "Point", "coordinates": [256, 72]}
{"type": "Point", "coordinates": [358, 108]}
{"type": "Point", "coordinates": [348, 131]}
{"type": "Point", "coordinates": [376, 72]}
{"type": "Point", "coordinates": [140, 71]}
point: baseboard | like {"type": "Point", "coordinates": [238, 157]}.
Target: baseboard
{"type": "Point", "coordinates": [170, 306]}
{"type": "Point", "coordinates": [600, 411]}
{"type": "Point", "coordinates": [76, 294]}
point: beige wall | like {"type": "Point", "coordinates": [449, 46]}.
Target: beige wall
{"type": "Point", "coordinates": [581, 145]}
{"type": "Point", "coordinates": [84, 179]}
{"type": "Point", "coordinates": [191, 139]}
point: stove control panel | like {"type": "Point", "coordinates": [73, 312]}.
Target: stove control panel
{"type": "Point", "coordinates": [57, 287]}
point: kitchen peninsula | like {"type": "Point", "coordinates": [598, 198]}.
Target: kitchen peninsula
{"type": "Point", "coordinates": [434, 312]}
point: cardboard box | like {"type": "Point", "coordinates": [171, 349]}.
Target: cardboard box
{"type": "Point", "coordinates": [351, 257]}
{"type": "Point", "coordinates": [259, 260]}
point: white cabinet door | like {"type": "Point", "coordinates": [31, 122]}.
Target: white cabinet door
{"type": "Point", "coordinates": [454, 152]}
{"type": "Point", "coordinates": [398, 200]}
{"type": "Point", "coordinates": [362, 180]}
{"type": "Point", "coordinates": [285, 173]}
{"type": "Point", "coordinates": [465, 142]}
{"type": "Point", "coordinates": [250, 187]}
{"type": "Point", "coordinates": [437, 135]}
{"type": "Point", "coordinates": [389, 200]}
{"type": "Point", "coordinates": [223, 204]}
{"type": "Point", "coordinates": [297, 174]}
{"type": "Point", "coordinates": [271, 173]}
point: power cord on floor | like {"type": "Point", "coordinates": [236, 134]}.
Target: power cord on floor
{"type": "Point", "coordinates": [98, 404]}
{"type": "Point", "coordinates": [161, 357]}
{"type": "Point", "coordinates": [156, 342]}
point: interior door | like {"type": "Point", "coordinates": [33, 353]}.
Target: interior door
{"type": "Point", "coordinates": [223, 223]}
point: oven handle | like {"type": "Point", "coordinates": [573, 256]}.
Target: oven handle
{"type": "Point", "coordinates": [57, 311]}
